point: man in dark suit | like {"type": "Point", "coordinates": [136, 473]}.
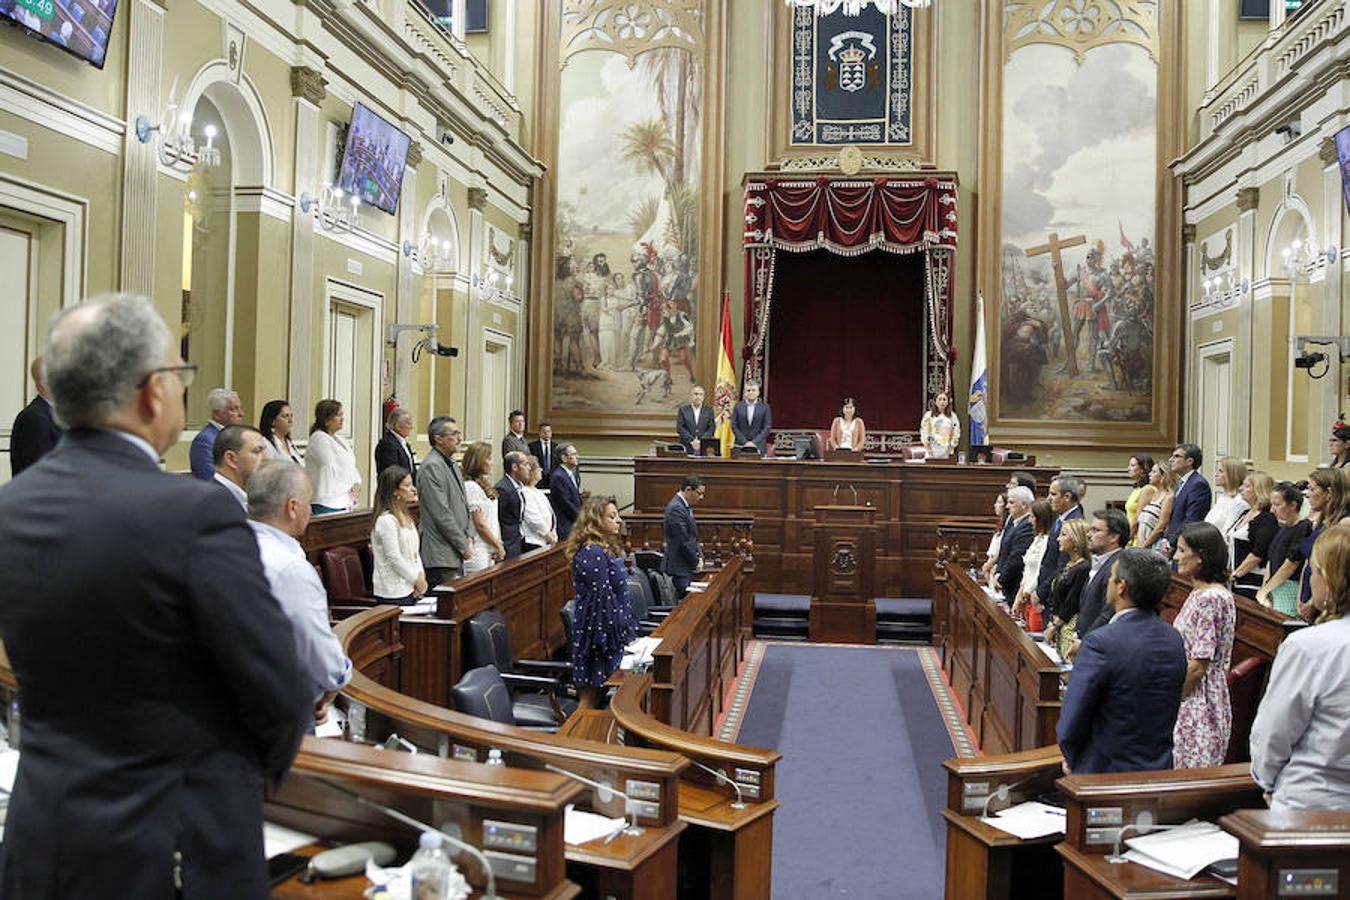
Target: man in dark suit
{"type": "Point", "coordinates": [1193, 496]}
{"type": "Point", "coordinates": [1065, 494]}
{"type": "Point", "coordinates": [1107, 535]}
{"type": "Point", "coordinates": [160, 682]}
{"type": "Point", "coordinates": [35, 432]}
{"type": "Point", "coordinates": [443, 519]}
{"type": "Point", "coordinates": [683, 557]}
{"type": "Point", "coordinates": [546, 450]}
{"type": "Point", "coordinates": [510, 505]}
{"type": "Point", "coordinates": [1125, 690]}
{"type": "Point", "coordinates": [564, 491]}
{"type": "Point", "coordinates": [393, 448]}
{"type": "Point", "coordinates": [1017, 538]}
{"type": "Point", "coordinates": [694, 422]}
{"type": "Point", "coordinates": [514, 441]}
{"type": "Point", "coordinates": [751, 420]}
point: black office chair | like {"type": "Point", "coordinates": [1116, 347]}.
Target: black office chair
{"type": "Point", "coordinates": [487, 643]}
{"type": "Point", "coordinates": [648, 614]}
{"type": "Point", "coordinates": [483, 693]}
{"type": "Point", "coordinates": [568, 614]}
{"type": "Point", "coordinates": [663, 589]}
{"type": "Point", "coordinates": [648, 560]}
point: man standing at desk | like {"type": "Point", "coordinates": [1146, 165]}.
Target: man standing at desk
{"type": "Point", "coordinates": [751, 420]}
{"type": "Point", "coordinates": [694, 422]}
{"type": "Point", "coordinates": [683, 556]}
{"type": "Point", "coordinates": [1125, 688]}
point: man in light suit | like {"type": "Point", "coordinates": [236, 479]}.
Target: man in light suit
{"type": "Point", "coordinates": [225, 409]}
{"type": "Point", "coordinates": [683, 557]}
{"type": "Point", "coordinates": [564, 491]}
{"type": "Point", "coordinates": [514, 441]}
{"type": "Point", "coordinates": [547, 451]}
{"type": "Point", "coordinates": [1193, 495]}
{"type": "Point", "coordinates": [160, 685]}
{"type": "Point", "coordinates": [1065, 495]}
{"type": "Point", "coordinates": [393, 448]}
{"type": "Point", "coordinates": [510, 505]}
{"type": "Point", "coordinates": [443, 522]}
{"type": "Point", "coordinates": [751, 420]}
{"type": "Point", "coordinates": [1017, 538]}
{"type": "Point", "coordinates": [1125, 690]}
{"type": "Point", "coordinates": [694, 422]}
{"type": "Point", "coordinates": [1107, 535]}
{"type": "Point", "coordinates": [35, 432]}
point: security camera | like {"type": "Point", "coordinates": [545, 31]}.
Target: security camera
{"type": "Point", "coordinates": [1307, 360]}
{"type": "Point", "coordinates": [1290, 131]}
{"type": "Point", "coordinates": [447, 138]}
{"type": "Point", "coordinates": [443, 350]}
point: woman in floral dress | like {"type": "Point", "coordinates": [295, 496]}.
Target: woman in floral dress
{"type": "Point", "coordinates": [1206, 623]}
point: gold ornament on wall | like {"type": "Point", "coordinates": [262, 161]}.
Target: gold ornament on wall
{"type": "Point", "coordinates": [850, 160]}
{"type": "Point", "coordinates": [1080, 25]}
{"type": "Point", "coordinates": [630, 27]}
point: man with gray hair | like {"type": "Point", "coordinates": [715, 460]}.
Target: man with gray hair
{"type": "Point", "coordinates": [393, 448]}
{"type": "Point", "coordinates": [236, 453]}
{"type": "Point", "coordinates": [1017, 537]}
{"type": "Point", "coordinates": [160, 688]}
{"type": "Point", "coordinates": [278, 506]}
{"type": "Point", "coordinates": [443, 520]}
{"type": "Point", "coordinates": [225, 409]}
{"type": "Point", "coordinates": [751, 420]}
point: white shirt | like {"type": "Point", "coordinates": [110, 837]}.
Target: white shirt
{"type": "Point", "coordinates": [301, 596]}
{"type": "Point", "coordinates": [396, 557]}
{"type": "Point", "coordinates": [1225, 511]}
{"type": "Point", "coordinates": [1031, 562]}
{"type": "Point", "coordinates": [332, 467]}
{"type": "Point", "coordinates": [1300, 742]}
{"type": "Point", "coordinates": [234, 489]}
{"type": "Point", "coordinates": [137, 441]}
{"type": "Point", "coordinates": [477, 500]}
{"type": "Point", "coordinates": [537, 523]}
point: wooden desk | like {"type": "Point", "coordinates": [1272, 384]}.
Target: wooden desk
{"type": "Point", "coordinates": [1279, 847]}
{"type": "Point", "coordinates": [911, 499]}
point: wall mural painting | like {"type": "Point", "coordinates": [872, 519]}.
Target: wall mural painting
{"type": "Point", "coordinates": [1076, 322]}
{"type": "Point", "coordinates": [627, 255]}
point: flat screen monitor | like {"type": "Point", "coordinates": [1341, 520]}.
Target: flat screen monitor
{"type": "Point", "coordinates": [373, 160]}
{"type": "Point", "coordinates": [80, 27]}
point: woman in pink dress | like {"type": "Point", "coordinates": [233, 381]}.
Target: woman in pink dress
{"type": "Point", "coordinates": [1206, 623]}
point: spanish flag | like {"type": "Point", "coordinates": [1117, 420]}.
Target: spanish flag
{"type": "Point", "coordinates": [724, 393]}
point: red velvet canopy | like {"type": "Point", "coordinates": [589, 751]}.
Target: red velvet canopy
{"type": "Point", "coordinates": [849, 217]}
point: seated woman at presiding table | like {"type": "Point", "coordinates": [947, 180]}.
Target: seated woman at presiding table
{"type": "Point", "coordinates": [847, 431]}
{"type": "Point", "coordinates": [602, 621]}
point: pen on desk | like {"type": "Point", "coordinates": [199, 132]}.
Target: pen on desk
{"type": "Point", "coordinates": [609, 838]}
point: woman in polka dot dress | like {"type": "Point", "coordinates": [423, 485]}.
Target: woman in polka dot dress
{"type": "Point", "coordinates": [603, 622]}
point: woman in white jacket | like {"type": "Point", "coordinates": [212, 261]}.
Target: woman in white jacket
{"type": "Point", "coordinates": [398, 575]}
{"type": "Point", "coordinates": [330, 462]}
{"type": "Point", "coordinates": [538, 524]}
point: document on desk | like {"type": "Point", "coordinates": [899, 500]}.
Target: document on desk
{"type": "Point", "coordinates": [1028, 820]}
{"type": "Point", "coordinates": [582, 827]}
{"type": "Point", "coordinates": [698, 586]}
{"type": "Point", "coordinates": [1050, 651]}
{"type": "Point", "coordinates": [639, 652]}
{"type": "Point", "coordinates": [1184, 851]}
{"type": "Point", "coordinates": [280, 839]}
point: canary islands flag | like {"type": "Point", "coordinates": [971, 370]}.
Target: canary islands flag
{"type": "Point", "coordinates": [979, 381]}
{"type": "Point", "coordinates": [724, 393]}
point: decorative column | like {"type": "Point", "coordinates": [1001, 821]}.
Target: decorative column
{"type": "Point", "coordinates": [1190, 277]}
{"type": "Point", "coordinates": [402, 385]}
{"type": "Point", "coordinates": [473, 330]}
{"type": "Point", "coordinates": [509, 51]}
{"type": "Point", "coordinates": [1248, 199]}
{"type": "Point", "coordinates": [1332, 393]}
{"type": "Point", "coordinates": [140, 162]}
{"type": "Point", "coordinates": [308, 90]}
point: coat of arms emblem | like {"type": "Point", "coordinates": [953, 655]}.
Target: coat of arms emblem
{"type": "Point", "coordinates": [851, 52]}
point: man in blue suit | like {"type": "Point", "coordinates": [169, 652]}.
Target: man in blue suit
{"type": "Point", "coordinates": [1017, 537]}
{"type": "Point", "coordinates": [751, 420]}
{"type": "Point", "coordinates": [683, 556]}
{"type": "Point", "coordinates": [510, 505]}
{"type": "Point", "coordinates": [1107, 535]}
{"type": "Point", "coordinates": [1066, 494]}
{"type": "Point", "coordinates": [564, 490]}
{"type": "Point", "coordinates": [1193, 493]}
{"type": "Point", "coordinates": [225, 409]}
{"type": "Point", "coordinates": [1125, 688]}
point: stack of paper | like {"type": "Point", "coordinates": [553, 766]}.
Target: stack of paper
{"type": "Point", "coordinates": [583, 827]}
{"type": "Point", "coordinates": [1050, 651]}
{"type": "Point", "coordinates": [280, 839]}
{"type": "Point", "coordinates": [1183, 851]}
{"type": "Point", "coordinates": [1028, 820]}
{"type": "Point", "coordinates": [639, 652]}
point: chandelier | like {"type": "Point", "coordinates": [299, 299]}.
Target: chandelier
{"type": "Point", "coordinates": [855, 7]}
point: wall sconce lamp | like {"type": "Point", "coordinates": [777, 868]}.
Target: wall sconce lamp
{"type": "Point", "coordinates": [432, 255]}
{"type": "Point", "coordinates": [333, 210]}
{"type": "Point", "coordinates": [487, 288]}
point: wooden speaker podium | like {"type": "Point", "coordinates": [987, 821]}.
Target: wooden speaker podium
{"type": "Point", "coordinates": [843, 608]}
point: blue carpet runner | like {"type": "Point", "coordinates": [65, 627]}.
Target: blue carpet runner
{"type": "Point", "coordinates": [861, 781]}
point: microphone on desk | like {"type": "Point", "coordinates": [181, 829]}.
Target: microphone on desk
{"type": "Point", "coordinates": [722, 776]}
{"type": "Point", "coordinates": [1004, 791]}
{"type": "Point", "coordinates": [1143, 823]}
{"type": "Point", "coordinates": [603, 792]}
{"type": "Point", "coordinates": [452, 840]}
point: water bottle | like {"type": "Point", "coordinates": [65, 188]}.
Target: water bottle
{"type": "Point", "coordinates": [430, 868]}
{"type": "Point", "coordinates": [495, 757]}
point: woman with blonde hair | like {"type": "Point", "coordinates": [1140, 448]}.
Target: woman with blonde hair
{"type": "Point", "coordinates": [1251, 535]}
{"type": "Point", "coordinates": [1155, 515]}
{"type": "Point", "coordinates": [1228, 506]}
{"type": "Point", "coordinates": [602, 619]}
{"type": "Point", "coordinates": [1299, 742]}
{"type": "Point", "coordinates": [481, 498]}
{"type": "Point", "coordinates": [1062, 604]}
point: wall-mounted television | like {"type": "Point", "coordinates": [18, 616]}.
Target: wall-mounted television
{"type": "Point", "coordinates": [373, 160]}
{"type": "Point", "coordinates": [80, 27]}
